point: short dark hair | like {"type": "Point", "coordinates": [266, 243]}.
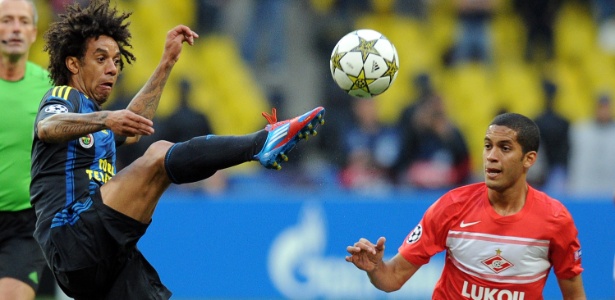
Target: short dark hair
{"type": "Point", "coordinates": [69, 36]}
{"type": "Point", "coordinates": [528, 134]}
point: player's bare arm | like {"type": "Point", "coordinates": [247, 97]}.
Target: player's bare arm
{"type": "Point", "coordinates": [572, 288]}
{"type": "Point", "coordinates": [146, 101]}
{"type": "Point", "coordinates": [387, 276]}
{"type": "Point", "coordinates": [68, 126]}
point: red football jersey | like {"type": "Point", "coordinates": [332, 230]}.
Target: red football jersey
{"type": "Point", "coordinates": [490, 256]}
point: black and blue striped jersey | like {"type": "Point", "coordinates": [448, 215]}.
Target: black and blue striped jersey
{"type": "Point", "coordinates": [66, 173]}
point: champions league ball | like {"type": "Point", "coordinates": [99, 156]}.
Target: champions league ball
{"type": "Point", "coordinates": [364, 63]}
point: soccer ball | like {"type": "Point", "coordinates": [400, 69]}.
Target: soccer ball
{"type": "Point", "coordinates": [364, 63]}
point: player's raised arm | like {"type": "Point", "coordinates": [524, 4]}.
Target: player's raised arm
{"type": "Point", "coordinates": [146, 101]}
{"type": "Point", "coordinates": [175, 39]}
{"type": "Point", "coordinates": [387, 276]}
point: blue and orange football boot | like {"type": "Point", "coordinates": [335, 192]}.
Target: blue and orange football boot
{"type": "Point", "coordinates": [284, 135]}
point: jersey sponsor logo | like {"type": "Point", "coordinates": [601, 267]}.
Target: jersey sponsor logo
{"type": "Point", "coordinates": [415, 235]}
{"type": "Point", "coordinates": [497, 263]}
{"type": "Point", "coordinates": [477, 292]}
{"type": "Point", "coordinates": [56, 109]}
{"type": "Point", "coordinates": [105, 171]}
{"type": "Point", "coordinates": [87, 141]}
{"type": "Point", "coordinates": [463, 224]}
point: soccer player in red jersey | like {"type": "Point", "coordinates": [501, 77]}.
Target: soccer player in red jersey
{"type": "Point", "coordinates": [501, 236]}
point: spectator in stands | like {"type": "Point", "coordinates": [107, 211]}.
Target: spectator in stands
{"type": "Point", "coordinates": [538, 17]}
{"type": "Point", "coordinates": [416, 9]}
{"type": "Point", "coordinates": [424, 90]}
{"type": "Point", "coordinates": [59, 6]}
{"type": "Point", "coordinates": [604, 15]}
{"type": "Point", "coordinates": [592, 161]}
{"type": "Point", "coordinates": [209, 15]}
{"type": "Point", "coordinates": [434, 154]}
{"type": "Point", "coordinates": [371, 149]}
{"type": "Point", "coordinates": [474, 41]}
{"type": "Point", "coordinates": [555, 141]}
{"type": "Point", "coordinates": [264, 45]}
{"type": "Point", "coordinates": [185, 123]}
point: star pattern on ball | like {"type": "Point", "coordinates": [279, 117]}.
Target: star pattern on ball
{"type": "Point", "coordinates": [336, 58]}
{"type": "Point", "coordinates": [360, 82]}
{"type": "Point", "coordinates": [366, 47]}
{"type": "Point", "coordinates": [391, 67]}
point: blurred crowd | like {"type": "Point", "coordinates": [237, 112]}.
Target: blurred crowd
{"type": "Point", "coordinates": [461, 63]}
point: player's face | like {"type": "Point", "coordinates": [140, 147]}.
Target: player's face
{"type": "Point", "coordinates": [97, 72]}
{"type": "Point", "coordinates": [503, 159]}
{"type": "Point", "coordinates": [17, 28]}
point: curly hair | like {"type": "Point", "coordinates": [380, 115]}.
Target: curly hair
{"type": "Point", "coordinates": [69, 36]}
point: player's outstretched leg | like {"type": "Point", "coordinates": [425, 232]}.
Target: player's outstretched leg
{"type": "Point", "coordinates": [284, 135]}
{"type": "Point", "coordinates": [201, 157]}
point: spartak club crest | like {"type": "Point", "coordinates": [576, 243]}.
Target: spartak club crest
{"type": "Point", "coordinates": [497, 263]}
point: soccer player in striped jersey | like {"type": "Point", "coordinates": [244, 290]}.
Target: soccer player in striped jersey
{"type": "Point", "coordinates": [22, 85]}
{"type": "Point", "coordinates": [90, 218]}
{"type": "Point", "coordinates": [501, 236]}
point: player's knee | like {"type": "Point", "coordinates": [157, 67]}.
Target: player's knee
{"type": "Point", "coordinates": [156, 152]}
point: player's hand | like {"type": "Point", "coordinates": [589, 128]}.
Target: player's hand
{"type": "Point", "coordinates": [365, 255]}
{"type": "Point", "coordinates": [175, 39]}
{"type": "Point", "coordinates": [127, 123]}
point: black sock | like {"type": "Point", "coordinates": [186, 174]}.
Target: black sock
{"type": "Point", "coordinates": [202, 156]}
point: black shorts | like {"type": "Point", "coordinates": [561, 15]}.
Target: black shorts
{"type": "Point", "coordinates": [20, 255]}
{"type": "Point", "coordinates": [97, 257]}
